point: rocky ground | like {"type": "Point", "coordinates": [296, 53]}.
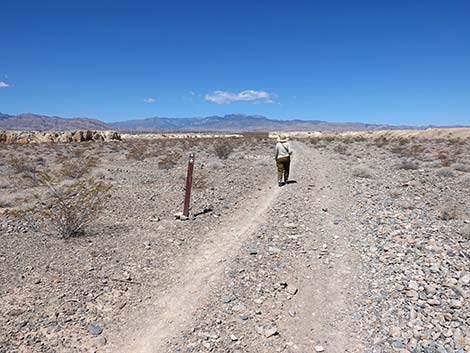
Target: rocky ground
{"type": "Point", "coordinates": [366, 252]}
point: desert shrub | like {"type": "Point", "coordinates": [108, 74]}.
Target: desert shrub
{"type": "Point", "coordinates": [403, 141]}
{"type": "Point", "coordinates": [314, 140]}
{"type": "Point", "coordinates": [138, 152]}
{"type": "Point", "coordinates": [462, 167]}
{"type": "Point", "coordinates": [169, 161]}
{"type": "Point", "coordinates": [416, 149]}
{"type": "Point", "coordinates": [71, 208]}
{"type": "Point", "coordinates": [5, 203]}
{"type": "Point", "coordinates": [22, 165]}
{"type": "Point", "coordinates": [25, 167]}
{"type": "Point", "coordinates": [465, 231]}
{"type": "Point", "coordinates": [260, 139]}
{"type": "Point", "coordinates": [408, 164]}
{"type": "Point", "coordinates": [329, 138]}
{"type": "Point", "coordinates": [465, 181]}
{"type": "Point", "coordinates": [362, 172]}
{"type": "Point", "coordinates": [426, 156]}
{"type": "Point", "coordinates": [455, 141]}
{"type": "Point", "coordinates": [448, 211]}
{"type": "Point", "coordinates": [442, 155]}
{"type": "Point", "coordinates": [77, 152]}
{"type": "Point", "coordinates": [380, 141]}
{"type": "Point", "coordinates": [341, 149]}
{"type": "Point", "coordinates": [223, 149]}
{"type": "Point", "coordinates": [400, 150]}
{"type": "Point", "coordinates": [78, 167]}
{"type": "Point", "coordinates": [359, 138]}
{"type": "Point", "coordinates": [445, 163]}
{"type": "Point", "coordinates": [200, 180]}
{"type": "Point", "coordinates": [445, 172]}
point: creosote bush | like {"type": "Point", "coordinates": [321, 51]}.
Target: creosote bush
{"type": "Point", "coordinates": [25, 167]}
{"type": "Point", "coordinates": [69, 209]}
{"type": "Point", "coordinates": [78, 167]}
{"type": "Point", "coordinates": [138, 152]}
{"type": "Point", "coordinates": [341, 149]}
{"type": "Point", "coordinates": [223, 149]}
{"type": "Point", "coordinates": [169, 161]}
{"type": "Point", "coordinates": [22, 165]}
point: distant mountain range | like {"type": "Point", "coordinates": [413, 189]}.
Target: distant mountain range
{"type": "Point", "coordinates": [236, 123]}
{"type": "Point", "coordinates": [227, 123]}
{"type": "Point", "coordinates": [49, 123]}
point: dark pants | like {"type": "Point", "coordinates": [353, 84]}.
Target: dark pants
{"type": "Point", "coordinates": [283, 165]}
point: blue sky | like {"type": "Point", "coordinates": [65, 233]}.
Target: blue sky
{"type": "Point", "coordinates": [398, 62]}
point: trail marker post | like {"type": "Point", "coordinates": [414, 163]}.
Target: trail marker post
{"type": "Point", "coordinates": [189, 182]}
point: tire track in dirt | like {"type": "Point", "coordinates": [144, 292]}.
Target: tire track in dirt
{"type": "Point", "coordinates": [199, 274]}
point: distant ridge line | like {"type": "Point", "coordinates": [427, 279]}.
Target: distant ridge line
{"type": "Point", "coordinates": [227, 123]}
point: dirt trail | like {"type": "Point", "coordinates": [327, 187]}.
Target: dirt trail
{"type": "Point", "coordinates": [323, 273]}
{"type": "Point", "coordinates": [172, 311]}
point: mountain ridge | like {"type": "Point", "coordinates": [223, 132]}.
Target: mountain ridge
{"type": "Point", "coordinates": [213, 123]}
{"type": "Point", "coordinates": [30, 121]}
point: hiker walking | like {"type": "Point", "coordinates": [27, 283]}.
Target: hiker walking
{"type": "Point", "coordinates": [282, 155]}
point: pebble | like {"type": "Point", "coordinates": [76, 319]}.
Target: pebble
{"type": "Point", "coordinates": [292, 290]}
{"type": "Point", "coordinates": [95, 330]}
{"type": "Point", "coordinates": [272, 331]}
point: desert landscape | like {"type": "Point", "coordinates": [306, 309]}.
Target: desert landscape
{"type": "Point", "coordinates": [367, 250]}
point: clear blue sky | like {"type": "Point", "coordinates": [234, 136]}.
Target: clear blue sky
{"type": "Point", "coordinates": [377, 61]}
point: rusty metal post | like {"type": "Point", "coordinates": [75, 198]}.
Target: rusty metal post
{"type": "Point", "coordinates": [189, 182]}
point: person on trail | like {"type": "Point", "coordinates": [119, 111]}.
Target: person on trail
{"type": "Point", "coordinates": [282, 155]}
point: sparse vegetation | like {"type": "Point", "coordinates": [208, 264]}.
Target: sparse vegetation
{"type": "Point", "coordinates": [362, 172]}
{"type": "Point", "coordinates": [77, 168]}
{"type": "Point", "coordinates": [396, 215]}
{"type": "Point", "coordinates": [223, 148]}
{"type": "Point", "coordinates": [69, 209]}
{"type": "Point", "coordinates": [462, 167]}
{"type": "Point", "coordinates": [22, 165]}
{"type": "Point", "coordinates": [169, 161]}
{"type": "Point", "coordinates": [341, 149]}
{"type": "Point", "coordinates": [445, 172]}
{"type": "Point", "coordinates": [465, 181]}
{"type": "Point", "coordinates": [448, 211]}
{"type": "Point", "coordinates": [138, 152]}
{"type": "Point", "coordinates": [408, 165]}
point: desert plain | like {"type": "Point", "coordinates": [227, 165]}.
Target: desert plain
{"type": "Point", "coordinates": [366, 250]}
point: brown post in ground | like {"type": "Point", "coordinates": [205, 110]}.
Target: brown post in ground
{"type": "Point", "coordinates": [189, 182]}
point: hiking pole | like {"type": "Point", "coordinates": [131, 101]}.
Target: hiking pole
{"type": "Point", "coordinates": [189, 182]}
